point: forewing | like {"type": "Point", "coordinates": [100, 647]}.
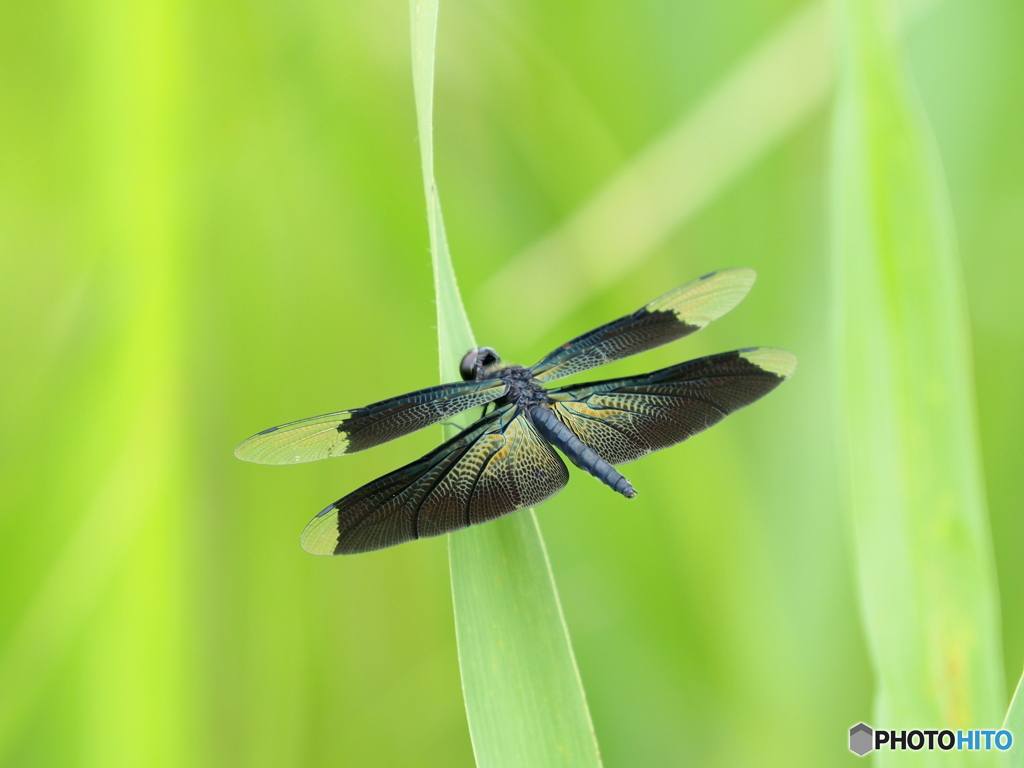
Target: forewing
{"type": "Point", "coordinates": [497, 466]}
{"type": "Point", "coordinates": [335, 434]}
{"type": "Point", "coordinates": [625, 419]}
{"type": "Point", "coordinates": [676, 314]}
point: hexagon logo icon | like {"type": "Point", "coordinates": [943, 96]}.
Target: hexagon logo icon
{"type": "Point", "coordinates": [862, 739]}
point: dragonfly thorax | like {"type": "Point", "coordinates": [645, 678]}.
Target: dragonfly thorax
{"type": "Point", "coordinates": [523, 390]}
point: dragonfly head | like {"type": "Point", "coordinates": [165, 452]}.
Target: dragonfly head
{"type": "Point", "coordinates": [478, 363]}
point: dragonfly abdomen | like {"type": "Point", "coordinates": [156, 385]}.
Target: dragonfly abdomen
{"type": "Point", "coordinates": [578, 452]}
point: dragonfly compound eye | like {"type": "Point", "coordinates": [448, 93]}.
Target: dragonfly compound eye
{"type": "Point", "coordinates": [467, 368]}
{"type": "Point", "coordinates": [477, 360]}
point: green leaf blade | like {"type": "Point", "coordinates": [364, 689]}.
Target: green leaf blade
{"type": "Point", "coordinates": [523, 691]}
{"type": "Point", "coordinates": [524, 698]}
{"type": "Point", "coordinates": [924, 558]}
{"type": "Point", "coordinates": [1014, 723]}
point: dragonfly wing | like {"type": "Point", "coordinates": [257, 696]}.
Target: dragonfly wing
{"type": "Point", "coordinates": [497, 466]}
{"type": "Point", "coordinates": [335, 434]}
{"type": "Point", "coordinates": [678, 313]}
{"type": "Point", "coordinates": [625, 419]}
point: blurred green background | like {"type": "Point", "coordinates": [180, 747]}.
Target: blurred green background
{"type": "Point", "coordinates": [211, 221]}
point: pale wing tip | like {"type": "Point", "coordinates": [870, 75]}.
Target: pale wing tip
{"type": "Point", "coordinates": [253, 451]}
{"type": "Point", "coordinates": [737, 274]}
{"type": "Point", "coordinates": [245, 452]}
{"type": "Point", "coordinates": [298, 442]}
{"type": "Point", "coordinates": [734, 283]}
{"type": "Point", "coordinates": [320, 536]}
{"type": "Point", "coordinates": [291, 446]}
{"type": "Point", "coordinates": [707, 298]}
{"type": "Point", "coordinates": [780, 362]}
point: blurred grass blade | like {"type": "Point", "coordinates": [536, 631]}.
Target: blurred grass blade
{"type": "Point", "coordinates": [776, 88]}
{"type": "Point", "coordinates": [923, 551]}
{"type": "Point", "coordinates": [524, 697]}
{"type": "Point", "coordinates": [1014, 723]}
{"type": "Point", "coordinates": [108, 592]}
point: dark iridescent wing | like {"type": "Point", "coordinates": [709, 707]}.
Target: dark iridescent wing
{"type": "Point", "coordinates": [625, 419]}
{"type": "Point", "coordinates": [335, 434]}
{"type": "Point", "coordinates": [676, 314]}
{"type": "Point", "coordinates": [497, 466]}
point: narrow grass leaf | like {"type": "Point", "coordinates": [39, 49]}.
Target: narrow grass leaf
{"type": "Point", "coordinates": [1014, 723]}
{"type": "Point", "coordinates": [524, 698]}
{"type": "Point", "coordinates": [923, 552]}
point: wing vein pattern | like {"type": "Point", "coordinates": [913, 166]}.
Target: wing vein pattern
{"type": "Point", "coordinates": [343, 432]}
{"type": "Point", "coordinates": [497, 466]}
{"type": "Point", "coordinates": [678, 313]}
{"type": "Point", "coordinates": [625, 419]}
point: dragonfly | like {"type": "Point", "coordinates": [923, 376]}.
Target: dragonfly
{"type": "Point", "coordinates": [506, 460]}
